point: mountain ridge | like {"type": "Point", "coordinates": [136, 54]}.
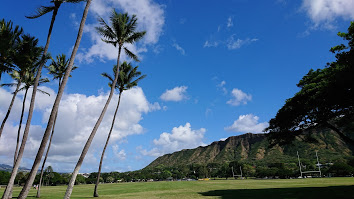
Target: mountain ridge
{"type": "Point", "coordinates": [257, 148]}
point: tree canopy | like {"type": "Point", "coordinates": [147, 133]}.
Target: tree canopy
{"type": "Point", "coordinates": [326, 97]}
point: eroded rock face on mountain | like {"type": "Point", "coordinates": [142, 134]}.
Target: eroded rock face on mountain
{"type": "Point", "coordinates": [256, 147]}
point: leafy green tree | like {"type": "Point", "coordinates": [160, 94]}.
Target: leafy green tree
{"type": "Point", "coordinates": [9, 38]}
{"type": "Point", "coordinates": [128, 78]}
{"type": "Point", "coordinates": [341, 169]}
{"type": "Point", "coordinates": [48, 173]}
{"type": "Point", "coordinates": [325, 99]}
{"type": "Point", "coordinates": [122, 31]}
{"type": "Point", "coordinates": [57, 68]}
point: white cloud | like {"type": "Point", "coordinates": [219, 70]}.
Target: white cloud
{"type": "Point", "coordinates": [229, 22]}
{"type": "Point", "coordinates": [324, 12]}
{"type": "Point", "coordinates": [247, 124]}
{"type": "Point", "coordinates": [211, 44]}
{"type": "Point", "coordinates": [236, 44]}
{"type": "Point", "coordinates": [119, 154]}
{"type": "Point", "coordinates": [77, 115]}
{"type": "Point", "coordinates": [150, 18]}
{"type": "Point", "coordinates": [182, 137]}
{"type": "Point", "coordinates": [239, 97]}
{"type": "Point", "coordinates": [176, 94]}
{"type": "Point", "coordinates": [179, 48]}
{"type": "Point", "coordinates": [222, 87]}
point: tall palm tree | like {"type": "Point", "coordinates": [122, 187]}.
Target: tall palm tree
{"type": "Point", "coordinates": [40, 12]}
{"type": "Point", "coordinates": [57, 68]}
{"type": "Point", "coordinates": [121, 31]}
{"type": "Point", "coordinates": [125, 81]}
{"type": "Point", "coordinates": [26, 55]}
{"type": "Point", "coordinates": [28, 80]}
{"type": "Point", "coordinates": [35, 166]}
{"type": "Point", "coordinates": [8, 41]}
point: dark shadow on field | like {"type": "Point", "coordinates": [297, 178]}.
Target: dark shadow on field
{"type": "Point", "coordinates": [332, 192]}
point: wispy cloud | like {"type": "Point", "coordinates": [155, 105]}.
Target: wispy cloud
{"type": "Point", "coordinates": [229, 22]}
{"type": "Point", "coordinates": [211, 44]}
{"type": "Point", "coordinates": [179, 48]}
{"type": "Point", "coordinates": [236, 44]}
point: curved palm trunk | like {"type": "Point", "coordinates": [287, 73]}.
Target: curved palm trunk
{"type": "Point", "coordinates": [37, 161]}
{"type": "Point", "coordinates": [95, 194]}
{"type": "Point", "coordinates": [30, 112]}
{"type": "Point", "coordinates": [10, 107]}
{"type": "Point", "coordinates": [19, 131]}
{"type": "Point", "coordinates": [93, 133]}
{"type": "Point", "coordinates": [46, 155]}
{"type": "Point", "coordinates": [45, 159]}
{"type": "Point", "coordinates": [19, 127]}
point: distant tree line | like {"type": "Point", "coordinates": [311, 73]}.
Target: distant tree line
{"type": "Point", "coordinates": [340, 168]}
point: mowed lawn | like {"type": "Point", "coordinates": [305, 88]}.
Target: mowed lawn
{"type": "Point", "coordinates": [332, 188]}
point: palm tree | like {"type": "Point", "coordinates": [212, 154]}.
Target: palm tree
{"type": "Point", "coordinates": [29, 81]}
{"type": "Point", "coordinates": [32, 174]}
{"type": "Point", "coordinates": [125, 81]}
{"type": "Point", "coordinates": [23, 57]}
{"type": "Point", "coordinates": [8, 42]}
{"type": "Point", "coordinates": [122, 31]}
{"type": "Point", "coordinates": [26, 56]}
{"type": "Point", "coordinates": [57, 68]}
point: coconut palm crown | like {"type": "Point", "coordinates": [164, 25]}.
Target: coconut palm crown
{"type": "Point", "coordinates": [121, 31]}
{"type": "Point", "coordinates": [126, 77]}
{"type": "Point", "coordinates": [58, 67]}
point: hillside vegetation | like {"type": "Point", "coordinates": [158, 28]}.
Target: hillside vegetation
{"type": "Point", "coordinates": [257, 149]}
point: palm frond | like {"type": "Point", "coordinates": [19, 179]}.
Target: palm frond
{"type": "Point", "coordinates": [41, 11]}
{"type": "Point", "coordinates": [131, 55]}
{"type": "Point", "coordinates": [105, 30]}
{"type": "Point", "coordinates": [8, 85]}
{"type": "Point", "coordinates": [135, 37]}
{"type": "Point", "coordinates": [42, 91]}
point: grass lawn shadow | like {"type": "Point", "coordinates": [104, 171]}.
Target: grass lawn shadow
{"type": "Point", "coordinates": [331, 192]}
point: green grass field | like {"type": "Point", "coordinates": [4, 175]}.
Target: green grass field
{"type": "Point", "coordinates": [293, 188]}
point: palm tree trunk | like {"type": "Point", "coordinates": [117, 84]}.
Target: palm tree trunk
{"type": "Point", "coordinates": [45, 158]}
{"type": "Point", "coordinates": [95, 194]}
{"type": "Point", "coordinates": [32, 174]}
{"type": "Point", "coordinates": [19, 127]}
{"type": "Point", "coordinates": [93, 133]}
{"type": "Point", "coordinates": [46, 155]}
{"type": "Point", "coordinates": [30, 112]}
{"type": "Point", "coordinates": [10, 107]}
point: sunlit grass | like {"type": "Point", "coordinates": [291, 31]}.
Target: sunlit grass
{"type": "Point", "coordinates": [287, 188]}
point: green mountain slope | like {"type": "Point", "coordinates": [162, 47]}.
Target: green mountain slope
{"type": "Point", "coordinates": [256, 148]}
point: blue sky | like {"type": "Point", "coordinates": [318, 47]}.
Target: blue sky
{"type": "Point", "coordinates": [214, 69]}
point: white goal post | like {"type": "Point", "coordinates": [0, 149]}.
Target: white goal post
{"type": "Point", "coordinates": [303, 172]}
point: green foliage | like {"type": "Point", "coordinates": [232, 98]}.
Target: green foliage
{"type": "Point", "coordinates": [326, 96]}
{"type": "Point", "coordinates": [121, 31]}
{"type": "Point", "coordinates": [128, 78]}
{"type": "Point", "coordinates": [9, 39]}
{"type": "Point", "coordinates": [341, 169]}
{"type": "Point", "coordinates": [58, 67]}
